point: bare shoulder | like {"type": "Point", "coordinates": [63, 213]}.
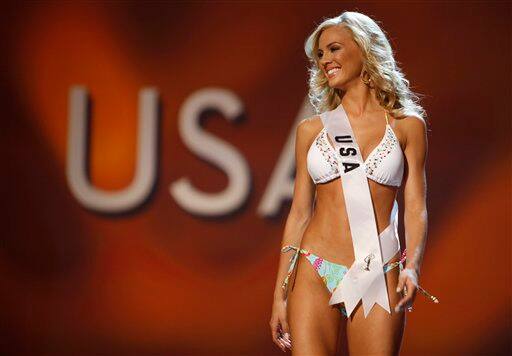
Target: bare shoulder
{"type": "Point", "coordinates": [309, 127]}
{"type": "Point", "coordinates": [412, 127]}
{"type": "Point", "coordinates": [413, 124]}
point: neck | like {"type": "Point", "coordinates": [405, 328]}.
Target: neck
{"type": "Point", "coordinates": [359, 100]}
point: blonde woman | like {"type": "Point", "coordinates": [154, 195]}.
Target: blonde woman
{"type": "Point", "coordinates": [368, 140]}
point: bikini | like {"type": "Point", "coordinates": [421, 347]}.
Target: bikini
{"type": "Point", "coordinates": [384, 165]}
{"type": "Point", "coordinates": [330, 272]}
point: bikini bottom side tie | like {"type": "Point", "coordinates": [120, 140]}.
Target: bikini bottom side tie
{"type": "Point", "coordinates": [331, 273]}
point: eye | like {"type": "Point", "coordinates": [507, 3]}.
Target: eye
{"type": "Point", "coordinates": [333, 48]}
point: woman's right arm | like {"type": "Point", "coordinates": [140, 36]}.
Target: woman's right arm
{"type": "Point", "coordinates": [297, 221]}
{"type": "Point", "coordinates": [302, 204]}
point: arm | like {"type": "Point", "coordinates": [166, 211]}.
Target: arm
{"type": "Point", "coordinates": [415, 190]}
{"type": "Point", "coordinates": [297, 221]}
{"type": "Point", "coordinates": [302, 204]}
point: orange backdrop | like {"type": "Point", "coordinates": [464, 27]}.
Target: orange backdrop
{"type": "Point", "coordinates": [160, 280]}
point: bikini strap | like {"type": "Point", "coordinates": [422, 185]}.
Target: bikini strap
{"type": "Point", "coordinates": [288, 248]}
{"type": "Point", "coordinates": [387, 120]}
{"type": "Point", "coordinates": [293, 263]}
{"type": "Point", "coordinates": [295, 248]}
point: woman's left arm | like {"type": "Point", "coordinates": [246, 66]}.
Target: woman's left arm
{"type": "Point", "coordinates": [415, 213]}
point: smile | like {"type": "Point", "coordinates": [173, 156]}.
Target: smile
{"type": "Point", "coordinates": [333, 71]}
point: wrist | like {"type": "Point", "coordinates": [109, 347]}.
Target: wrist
{"type": "Point", "coordinates": [279, 295]}
{"type": "Point", "coordinates": [412, 265]}
{"type": "Point", "coordinates": [411, 272]}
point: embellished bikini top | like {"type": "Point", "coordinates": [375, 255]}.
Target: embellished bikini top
{"type": "Point", "coordinates": [385, 164]}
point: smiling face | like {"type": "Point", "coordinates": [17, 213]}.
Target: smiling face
{"type": "Point", "coordinates": [339, 58]}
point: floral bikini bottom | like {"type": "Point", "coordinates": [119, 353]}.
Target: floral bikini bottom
{"type": "Point", "coordinates": [330, 272]}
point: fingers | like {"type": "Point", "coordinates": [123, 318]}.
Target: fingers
{"type": "Point", "coordinates": [286, 341]}
{"type": "Point", "coordinates": [284, 336]}
{"type": "Point", "coordinates": [286, 333]}
{"type": "Point", "coordinates": [275, 334]}
{"type": "Point", "coordinates": [280, 338]}
{"type": "Point", "coordinates": [281, 344]}
{"type": "Point", "coordinates": [407, 300]}
{"type": "Point", "coordinates": [401, 282]}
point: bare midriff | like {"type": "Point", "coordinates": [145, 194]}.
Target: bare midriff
{"type": "Point", "coordinates": [328, 231]}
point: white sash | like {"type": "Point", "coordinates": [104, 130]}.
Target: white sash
{"type": "Point", "coordinates": [365, 279]}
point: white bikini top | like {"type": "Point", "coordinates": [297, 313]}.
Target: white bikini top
{"type": "Point", "coordinates": [385, 164]}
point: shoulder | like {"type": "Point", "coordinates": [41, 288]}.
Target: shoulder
{"type": "Point", "coordinates": [310, 123]}
{"type": "Point", "coordinates": [413, 127]}
{"type": "Point", "coordinates": [308, 128]}
{"type": "Point", "coordinates": [413, 123]}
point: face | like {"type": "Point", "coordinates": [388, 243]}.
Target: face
{"type": "Point", "coordinates": [339, 57]}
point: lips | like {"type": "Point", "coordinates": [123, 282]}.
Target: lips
{"type": "Point", "coordinates": [332, 72]}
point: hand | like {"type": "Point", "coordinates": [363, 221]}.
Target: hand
{"type": "Point", "coordinates": [279, 325]}
{"type": "Point", "coordinates": [408, 282]}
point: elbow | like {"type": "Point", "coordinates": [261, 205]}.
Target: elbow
{"type": "Point", "coordinates": [419, 214]}
{"type": "Point", "coordinates": [300, 216]}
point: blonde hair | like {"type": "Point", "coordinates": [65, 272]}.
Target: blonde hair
{"type": "Point", "coordinates": [391, 87]}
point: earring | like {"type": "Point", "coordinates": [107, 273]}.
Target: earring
{"type": "Point", "coordinates": [366, 81]}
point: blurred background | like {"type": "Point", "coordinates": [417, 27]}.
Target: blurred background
{"type": "Point", "coordinates": [148, 152]}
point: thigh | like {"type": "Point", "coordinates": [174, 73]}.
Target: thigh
{"type": "Point", "coordinates": [380, 333]}
{"type": "Point", "coordinates": [314, 324]}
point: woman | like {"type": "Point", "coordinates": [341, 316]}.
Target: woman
{"type": "Point", "coordinates": [370, 128]}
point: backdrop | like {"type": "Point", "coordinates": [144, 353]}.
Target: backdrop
{"type": "Point", "coordinates": [148, 170]}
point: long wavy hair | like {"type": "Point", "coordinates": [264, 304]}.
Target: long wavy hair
{"type": "Point", "coordinates": [391, 87]}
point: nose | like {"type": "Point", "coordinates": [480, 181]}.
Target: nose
{"type": "Point", "coordinates": [324, 61]}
